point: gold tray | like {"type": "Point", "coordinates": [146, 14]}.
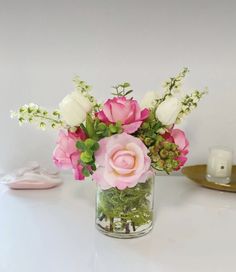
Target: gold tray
{"type": "Point", "coordinates": [197, 173]}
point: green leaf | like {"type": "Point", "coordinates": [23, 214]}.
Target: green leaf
{"type": "Point", "coordinates": [95, 146]}
{"type": "Point", "coordinates": [113, 129]}
{"type": "Point", "coordinates": [81, 145]}
{"type": "Point", "coordinates": [21, 119]}
{"type": "Point", "coordinates": [118, 123]}
{"type": "Point", "coordinates": [145, 125]}
{"type": "Point", "coordinates": [101, 127]}
{"type": "Point", "coordinates": [42, 125]}
{"type": "Point", "coordinates": [56, 113]}
{"type": "Point", "coordinates": [91, 162]}
{"type": "Point", "coordinates": [89, 143]}
{"type": "Point", "coordinates": [93, 166]}
{"type": "Point", "coordinates": [85, 172]}
{"type": "Point", "coordinates": [128, 92]}
{"type": "Point", "coordinates": [102, 133]}
{"type": "Point", "coordinates": [90, 126]}
{"type": "Point", "coordinates": [119, 126]}
{"type": "Point", "coordinates": [125, 85]}
{"type": "Point", "coordinates": [92, 144]}
{"type": "Point", "coordinates": [86, 156]}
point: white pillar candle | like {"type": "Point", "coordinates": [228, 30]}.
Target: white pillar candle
{"type": "Point", "coordinates": [219, 164]}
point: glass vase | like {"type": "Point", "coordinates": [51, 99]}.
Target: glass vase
{"type": "Point", "coordinates": [125, 213]}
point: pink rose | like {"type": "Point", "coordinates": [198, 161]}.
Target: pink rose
{"type": "Point", "coordinates": [123, 162]}
{"type": "Point", "coordinates": [66, 155]}
{"type": "Point", "coordinates": [178, 137]}
{"type": "Point", "coordinates": [124, 110]}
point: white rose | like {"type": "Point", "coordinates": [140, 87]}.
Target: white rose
{"type": "Point", "coordinates": [168, 111]}
{"type": "Point", "coordinates": [149, 98]}
{"type": "Point", "coordinates": [74, 108]}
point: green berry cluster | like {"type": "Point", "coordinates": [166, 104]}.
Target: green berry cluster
{"type": "Point", "coordinates": [163, 155]}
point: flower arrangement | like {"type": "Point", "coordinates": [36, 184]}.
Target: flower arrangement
{"type": "Point", "coordinates": [120, 143]}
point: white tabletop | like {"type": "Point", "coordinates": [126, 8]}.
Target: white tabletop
{"type": "Point", "coordinates": [54, 231]}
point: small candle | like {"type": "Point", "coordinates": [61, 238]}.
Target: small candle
{"type": "Point", "coordinates": [219, 164]}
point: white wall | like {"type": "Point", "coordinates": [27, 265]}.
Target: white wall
{"type": "Point", "coordinates": [45, 43]}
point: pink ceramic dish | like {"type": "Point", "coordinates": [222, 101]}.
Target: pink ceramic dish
{"type": "Point", "coordinates": [32, 184]}
{"type": "Point", "coordinates": [32, 177]}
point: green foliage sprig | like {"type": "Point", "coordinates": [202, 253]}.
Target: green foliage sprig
{"type": "Point", "coordinates": [190, 102]}
{"type": "Point", "coordinates": [95, 130]}
{"type": "Point", "coordinates": [35, 114]}
{"type": "Point", "coordinates": [122, 89]}
{"type": "Point", "coordinates": [174, 84]}
{"type": "Point", "coordinates": [149, 129]}
{"type": "Point", "coordinates": [85, 89]}
{"type": "Point", "coordinates": [87, 158]}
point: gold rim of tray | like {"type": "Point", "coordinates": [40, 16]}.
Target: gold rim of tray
{"type": "Point", "coordinates": [197, 173]}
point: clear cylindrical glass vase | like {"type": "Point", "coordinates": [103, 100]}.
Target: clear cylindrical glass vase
{"type": "Point", "coordinates": [125, 213]}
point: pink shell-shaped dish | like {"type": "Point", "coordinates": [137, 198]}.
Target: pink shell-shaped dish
{"type": "Point", "coordinates": [32, 185]}
{"type": "Point", "coordinates": [32, 177]}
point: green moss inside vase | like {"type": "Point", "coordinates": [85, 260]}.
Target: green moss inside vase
{"type": "Point", "coordinates": [125, 213]}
